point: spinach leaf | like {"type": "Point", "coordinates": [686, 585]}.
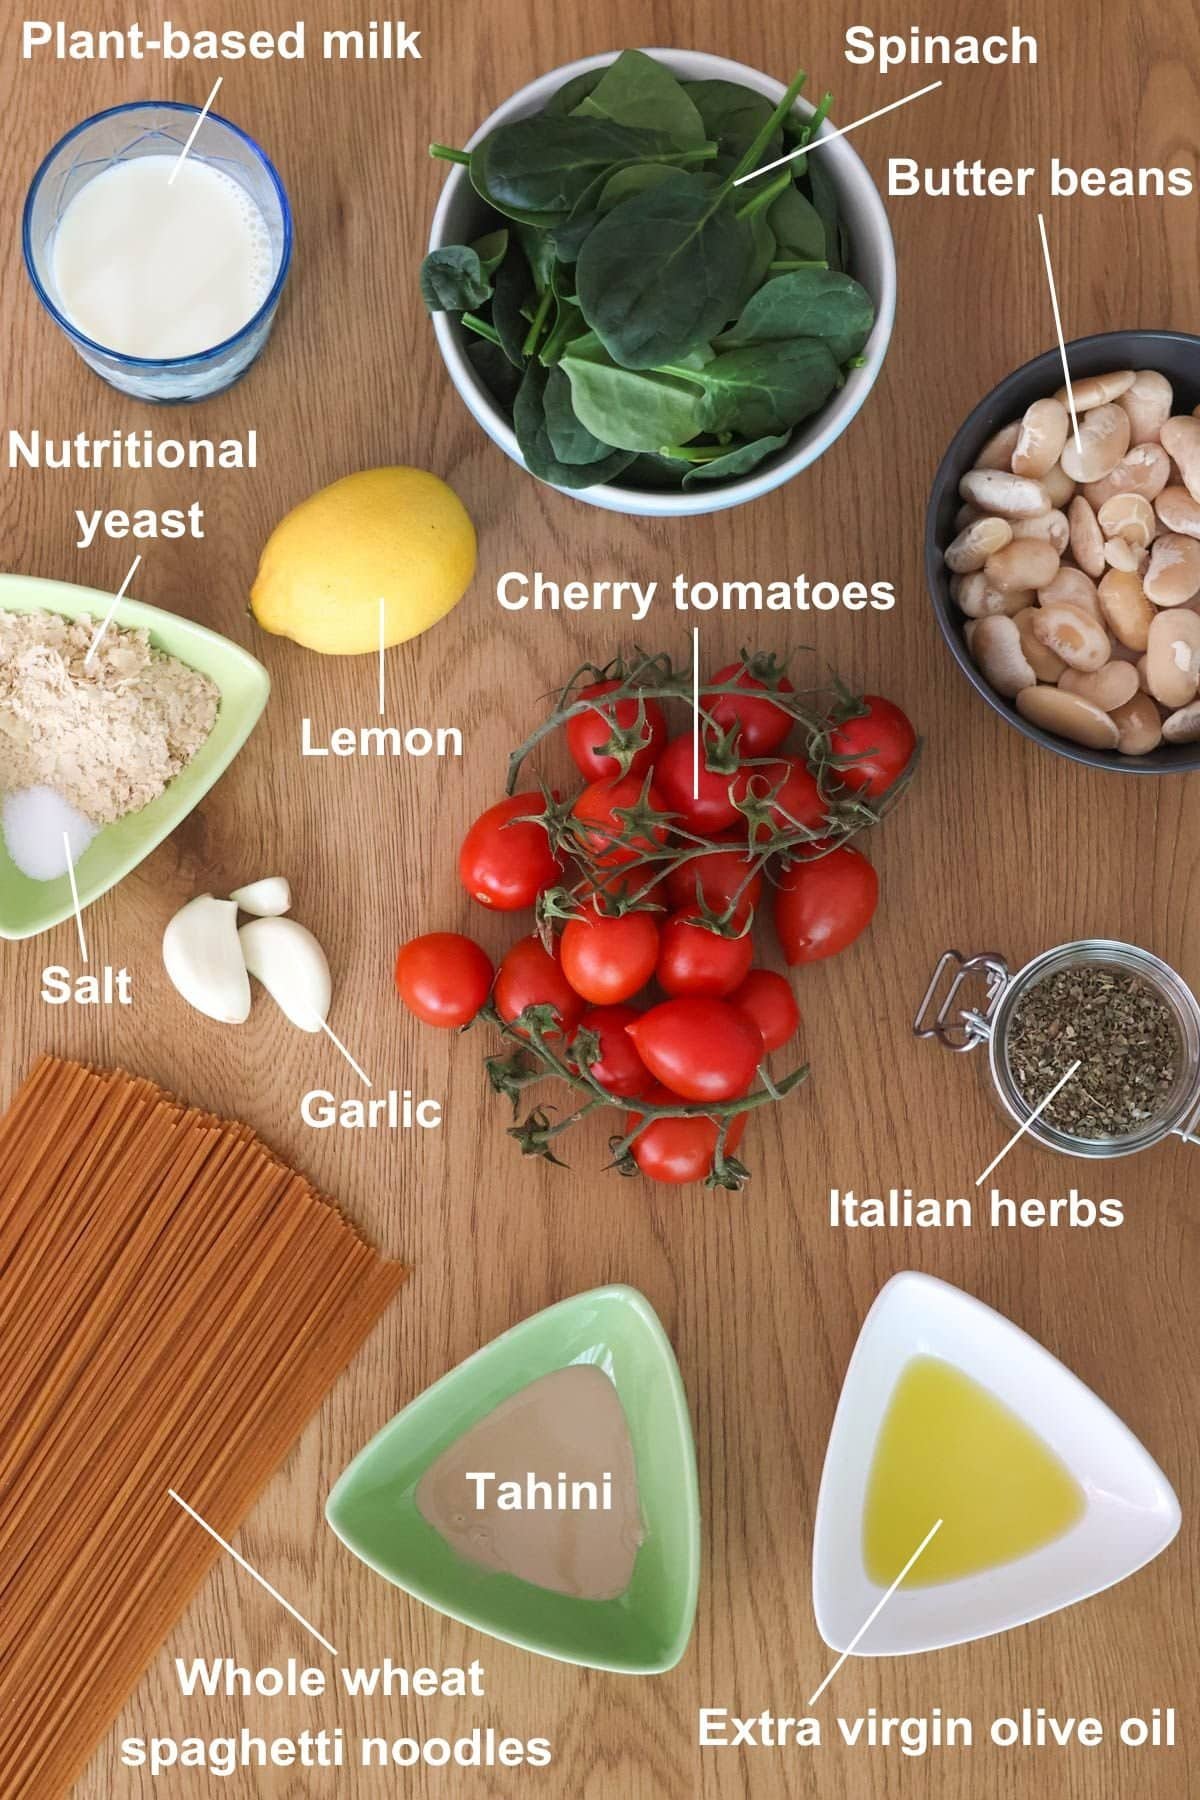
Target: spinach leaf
{"type": "Point", "coordinates": [636, 90]}
{"type": "Point", "coordinates": [633, 409]}
{"type": "Point", "coordinates": [763, 250]}
{"type": "Point", "coordinates": [824, 199]}
{"type": "Point", "coordinates": [538, 246]}
{"type": "Point", "coordinates": [797, 225]}
{"type": "Point", "coordinates": [495, 371]}
{"type": "Point", "coordinates": [567, 97]}
{"type": "Point", "coordinates": [570, 441]}
{"type": "Point", "coordinates": [662, 272]}
{"type": "Point", "coordinates": [734, 116]}
{"type": "Point", "coordinates": [649, 471]}
{"type": "Point", "coordinates": [537, 170]}
{"type": "Point", "coordinates": [458, 278]}
{"type": "Point", "coordinates": [533, 440]}
{"type": "Point", "coordinates": [739, 459]}
{"type": "Point", "coordinates": [806, 303]}
{"type": "Point", "coordinates": [633, 180]}
{"type": "Point", "coordinates": [512, 294]}
{"type": "Point", "coordinates": [766, 388]}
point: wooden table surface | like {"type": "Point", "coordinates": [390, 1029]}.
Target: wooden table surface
{"type": "Point", "coordinates": [1000, 845]}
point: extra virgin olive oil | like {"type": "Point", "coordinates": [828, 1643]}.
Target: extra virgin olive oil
{"type": "Point", "coordinates": [949, 1450]}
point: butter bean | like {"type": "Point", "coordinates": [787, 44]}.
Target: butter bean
{"type": "Point", "coordinates": [1112, 686]}
{"type": "Point", "coordinates": [978, 598]}
{"type": "Point", "coordinates": [1043, 434]}
{"type": "Point", "coordinates": [1173, 658]}
{"type": "Point", "coordinates": [997, 452]}
{"type": "Point", "coordinates": [995, 645]}
{"type": "Point", "coordinates": [1129, 558]}
{"type": "Point", "coordinates": [1041, 659]}
{"type": "Point", "coordinates": [1146, 470]}
{"type": "Point", "coordinates": [1023, 564]}
{"type": "Point", "coordinates": [1069, 716]}
{"type": "Point", "coordinates": [1081, 642]}
{"type": "Point", "coordinates": [1183, 727]}
{"type": "Point", "coordinates": [1181, 439]}
{"type": "Point", "coordinates": [1071, 587]}
{"type": "Point", "coordinates": [1139, 727]}
{"type": "Point", "coordinates": [996, 491]}
{"type": "Point", "coordinates": [1148, 401]}
{"type": "Point", "coordinates": [1178, 511]}
{"type": "Point", "coordinates": [1087, 539]}
{"type": "Point", "coordinates": [1052, 527]}
{"type": "Point", "coordinates": [1098, 390]}
{"type": "Point", "coordinates": [1058, 485]}
{"type": "Point", "coordinates": [1128, 516]}
{"type": "Point", "coordinates": [1103, 441]}
{"type": "Point", "coordinates": [1174, 572]}
{"type": "Point", "coordinates": [972, 547]}
{"type": "Point", "coordinates": [1125, 608]}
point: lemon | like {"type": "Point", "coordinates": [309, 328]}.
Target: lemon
{"type": "Point", "coordinates": [399, 535]}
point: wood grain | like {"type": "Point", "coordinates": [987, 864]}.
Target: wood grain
{"type": "Point", "coordinates": [1000, 845]}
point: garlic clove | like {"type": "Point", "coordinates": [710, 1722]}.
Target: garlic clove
{"type": "Point", "coordinates": [267, 899]}
{"type": "Point", "coordinates": [291, 965]}
{"type": "Point", "coordinates": [203, 958]}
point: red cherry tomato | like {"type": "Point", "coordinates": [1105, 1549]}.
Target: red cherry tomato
{"type": "Point", "coordinates": [679, 1150]}
{"type": "Point", "coordinates": [598, 810]}
{"type": "Point", "coordinates": [620, 1070]}
{"type": "Point", "coordinates": [761, 725]}
{"type": "Point", "coordinates": [530, 976]}
{"type": "Point", "coordinates": [790, 786]}
{"type": "Point", "coordinates": [694, 960]}
{"type": "Point", "coordinates": [720, 878]}
{"type": "Point", "coordinates": [607, 886]}
{"type": "Point", "coordinates": [588, 733]}
{"type": "Point", "coordinates": [707, 811]}
{"type": "Point", "coordinates": [701, 1049]}
{"type": "Point", "coordinates": [609, 960]}
{"type": "Point", "coordinates": [823, 905]}
{"type": "Point", "coordinates": [883, 740]}
{"type": "Point", "coordinates": [767, 998]}
{"type": "Point", "coordinates": [443, 978]}
{"type": "Point", "coordinates": [505, 865]}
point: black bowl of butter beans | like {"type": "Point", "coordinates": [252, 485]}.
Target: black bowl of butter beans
{"type": "Point", "coordinates": [1062, 551]}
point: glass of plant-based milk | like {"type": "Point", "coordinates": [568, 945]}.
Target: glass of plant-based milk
{"type": "Point", "coordinates": [165, 270]}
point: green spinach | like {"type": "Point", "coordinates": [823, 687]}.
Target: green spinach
{"type": "Point", "coordinates": [635, 90]}
{"type": "Point", "coordinates": [534, 442]}
{"type": "Point", "coordinates": [809, 303]}
{"type": "Point", "coordinates": [634, 409]}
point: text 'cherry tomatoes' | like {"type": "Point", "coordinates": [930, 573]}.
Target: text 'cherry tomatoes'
{"type": "Point", "coordinates": [679, 1150]}
{"type": "Point", "coordinates": [694, 960]}
{"type": "Point", "coordinates": [823, 905]}
{"type": "Point", "coordinates": [504, 862]}
{"type": "Point", "coordinates": [530, 976]}
{"type": "Point", "coordinates": [443, 978]}
{"type": "Point", "coordinates": [609, 960]}
{"type": "Point", "coordinates": [767, 998]}
{"type": "Point", "coordinates": [761, 724]}
{"type": "Point", "coordinates": [719, 878]}
{"type": "Point", "coordinates": [701, 1049]}
{"type": "Point", "coordinates": [588, 733]}
{"type": "Point", "coordinates": [610, 839]}
{"type": "Point", "coordinates": [883, 740]}
{"type": "Point", "coordinates": [697, 794]}
{"type": "Point", "coordinates": [619, 1070]}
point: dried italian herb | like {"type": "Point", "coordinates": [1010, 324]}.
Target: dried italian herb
{"type": "Point", "coordinates": [1121, 1032]}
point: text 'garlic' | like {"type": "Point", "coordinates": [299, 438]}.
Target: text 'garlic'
{"type": "Point", "coordinates": [291, 965]}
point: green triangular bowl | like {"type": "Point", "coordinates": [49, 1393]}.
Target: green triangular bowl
{"type": "Point", "coordinates": [28, 907]}
{"type": "Point", "coordinates": [373, 1508]}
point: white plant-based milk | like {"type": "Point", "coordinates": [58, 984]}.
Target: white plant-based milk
{"type": "Point", "coordinates": [150, 267]}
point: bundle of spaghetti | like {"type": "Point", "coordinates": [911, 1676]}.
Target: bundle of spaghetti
{"type": "Point", "coordinates": [174, 1303]}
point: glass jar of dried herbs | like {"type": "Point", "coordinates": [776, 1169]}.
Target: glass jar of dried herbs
{"type": "Point", "coordinates": [1099, 1039]}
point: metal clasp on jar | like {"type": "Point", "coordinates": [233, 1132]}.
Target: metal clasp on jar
{"type": "Point", "coordinates": [968, 1027]}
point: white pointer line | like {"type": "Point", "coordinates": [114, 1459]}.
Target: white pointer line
{"type": "Point", "coordinates": [360, 1072]}
{"type": "Point", "coordinates": [1035, 1114]}
{"type": "Point", "coordinates": [1058, 326]}
{"type": "Point", "coordinates": [75, 895]}
{"type": "Point", "coordinates": [107, 620]}
{"type": "Point", "coordinates": [696, 726]}
{"type": "Point", "coordinates": [192, 136]}
{"type": "Point", "coordinates": [242, 1563]}
{"type": "Point", "coordinates": [827, 137]}
{"type": "Point", "coordinates": [872, 1616]}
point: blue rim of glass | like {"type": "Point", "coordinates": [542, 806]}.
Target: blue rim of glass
{"type": "Point", "coordinates": [196, 356]}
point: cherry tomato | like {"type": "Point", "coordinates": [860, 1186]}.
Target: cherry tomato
{"type": "Point", "coordinates": [694, 960]}
{"type": "Point", "coordinates": [768, 999]}
{"type": "Point", "coordinates": [505, 865]}
{"type": "Point", "coordinates": [597, 809]}
{"type": "Point", "coordinates": [883, 740]}
{"type": "Point", "coordinates": [823, 905]}
{"type": "Point", "coordinates": [620, 1070]}
{"type": "Point", "coordinates": [443, 978]}
{"type": "Point", "coordinates": [707, 811]}
{"type": "Point", "coordinates": [700, 1048]}
{"type": "Point", "coordinates": [679, 1150]}
{"type": "Point", "coordinates": [720, 877]}
{"type": "Point", "coordinates": [609, 960]}
{"type": "Point", "coordinates": [761, 725]}
{"type": "Point", "coordinates": [604, 887]}
{"type": "Point", "coordinates": [588, 732]}
{"type": "Point", "coordinates": [530, 976]}
{"type": "Point", "coordinates": [790, 786]}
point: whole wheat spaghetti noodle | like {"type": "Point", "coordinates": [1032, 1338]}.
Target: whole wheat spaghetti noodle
{"type": "Point", "coordinates": [174, 1302]}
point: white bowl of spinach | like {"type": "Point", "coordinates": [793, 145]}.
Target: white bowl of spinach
{"type": "Point", "coordinates": [627, 318]}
